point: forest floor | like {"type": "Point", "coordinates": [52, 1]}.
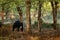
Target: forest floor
{"type": "Point", "coordinates": [6, 33]}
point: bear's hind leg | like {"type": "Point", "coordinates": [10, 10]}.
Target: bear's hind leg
{"type": "Point", "coordinates": [13, 29]}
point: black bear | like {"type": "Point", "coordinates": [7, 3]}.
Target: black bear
{"type": "Point", "coordinates": [17, 25]}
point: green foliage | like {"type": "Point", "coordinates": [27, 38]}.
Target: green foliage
{"type": "Point", "coordinates": [11, 4]}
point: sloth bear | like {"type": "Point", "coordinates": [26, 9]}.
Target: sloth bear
{"type": "Point", "coordinates": [17, 25]}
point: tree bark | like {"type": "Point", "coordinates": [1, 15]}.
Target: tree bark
{"type": "Point", "coordinates": [2, 13]}
{"type": "Point", "coordinates": [28, 18]}
{"type": "Point", "coordinates": [54, 11]}
{"type": "Point", "coordinates": [6, 15]}
{"type": "Point", "coordinates": [55, 20]}
{"type": "Point", "coordinates": [20, 13]}
{"type": "Point", "coordinates": [39, 16]}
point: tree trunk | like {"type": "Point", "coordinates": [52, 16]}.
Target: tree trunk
{"type": "Point", "coordinates": [54, 11]}
{"type": "Point", "coordinates": [55, 20]}
{"type": "Point", "coordinates": [2, 13]}
{"type": "Point", "coordinates": [28, 18]}
{"type": "Point", "coordinates": [20, 13]}
{"type": "Point", "coordinates": [39, 16]}
{"type": "Point", "coordinates": [6, 15]}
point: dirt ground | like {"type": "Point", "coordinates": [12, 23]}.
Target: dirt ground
{"type": "Point", "coordinates": [6, 33]}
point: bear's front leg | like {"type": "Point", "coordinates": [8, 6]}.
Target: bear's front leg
{"type": "Point", "coordinates": [18, 29]}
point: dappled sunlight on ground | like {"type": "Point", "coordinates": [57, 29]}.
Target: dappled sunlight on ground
{"type": "Point", "coordinates": [6, 33]}
{"type": "Point", "coordinates": [34, 38]}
